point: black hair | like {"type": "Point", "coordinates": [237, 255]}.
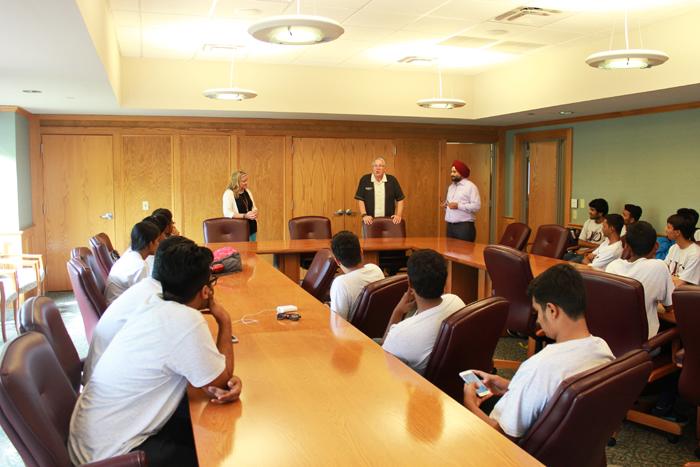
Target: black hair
{"type": "Point", "coordinates": [561, 285]}
{"type": "Point", "coordinates": [160, 221]}
{"type": "Point", "coordinates": [183, 269]}
{"type": "Point", "coordinates": [600, 205]}
{"type": "Point", "coordinates": [165, 212]}
{"type": "Point", "coordinates": [346, 248]}
{"type": "Point", "coordinates": [641, 238]}
{"type": "Point", "coordinates": [142, 234]}
{"type": "Point", "coordinates": [690, 213]}
{"type": "Point", "coordinates": [427, 272]}
{"type": "Point", "coordinates": [162, 247]}
{"type": "Point", "coordinates": [616, 221]}
{"type": "Point", "coordinates": [634, 210]}
{"type": "Point", "coordinates": [682, 223]}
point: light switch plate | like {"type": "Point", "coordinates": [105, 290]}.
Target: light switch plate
{"type": "Point", "coordinates": [145, 206]}
{"type": "Point", "coordinates": [574, 203]}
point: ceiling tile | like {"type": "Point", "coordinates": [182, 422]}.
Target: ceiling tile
{"type": "Point", "coordinates": [131, 5]}
{"type": "Point", "coordinates": [468, 42]}
{"type": "Point", "coordinates": [337, 50]}
{"type": "Point", "coordinates": [359, 33]}
{"type": "Point", "coordinates": [369, 17]}
{"type": "Point", "coordinates": [129, 39]}
{"type": "Point", "coordinates": [124, 18]}
{"type": "Point", "coordinates": [513, 47]}
{"type": "Point", "coordinates": [408, 7]}
{"type": "Point", "coordinates": [153, 51]}
{"type": "Point", "coordinates": [176, 7]}
{"type": "Point", "coordinates": [475, 10]}
{"type": "Point", "coordinates": [497, 30]}
{"type": "Point", "coordinates": [315, 8]}
{"type": "Point", "coordinates": [444, 26]}
{"type": "Point", "coordinates": [248, 9]}
{"type": "Point", "coordinates": [547, 36]}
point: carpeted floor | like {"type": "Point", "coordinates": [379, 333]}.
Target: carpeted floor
{"type": "Point", "coordinates": [636, 445]}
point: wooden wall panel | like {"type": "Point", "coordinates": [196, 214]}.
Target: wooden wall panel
{"type": "Point", "coordinates": [262, 157]}
{"type": "Point", "coordinates": [146, 175]}
{"type": "Point", "coordinates": [204, 163]}
{"type": "Point", "coordinates": [417, 161]}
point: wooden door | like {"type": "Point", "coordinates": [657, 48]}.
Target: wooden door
{"type": "Point", "coordinates": [78, 191]}
{"type": "Point", "coordinates": [543, 192]}
{"type": "Point", "coordinates": [417, 164]}
{"type": "Point", "coordinates": [478, 159]}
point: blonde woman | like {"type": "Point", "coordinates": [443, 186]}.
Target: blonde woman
{"type": "Point", "coordinates": [238, 202]}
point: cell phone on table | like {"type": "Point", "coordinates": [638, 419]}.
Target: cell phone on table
{"type": "Point", "coordinates": [470, 377]}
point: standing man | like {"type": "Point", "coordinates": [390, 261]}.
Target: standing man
{"type": "Point", "coordinates": [379, 194]}
{"type": "Point", "coordinates": [462, 204]}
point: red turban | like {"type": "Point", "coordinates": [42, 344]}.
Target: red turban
{"type": "Point", "coordinates": [461, 168]}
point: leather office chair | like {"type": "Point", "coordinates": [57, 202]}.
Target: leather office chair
{"type": "Point", "coordinates": [40, 314]}
{"type": "Point", "coordinates": [91, 301]}
{"type": "Point", "coordinates": [384, 227]}
{"type": "Point", "coordinates": [373, 307]}
{"type": "Point", "coordinates": [36, 403]}
{"type": "Point", "coordinates": [91, 260]}
{"type": "Point", "coordinates": [320, 275]}
{"type": "Point", "coordinates": [516, 236]}
{"type": "Point", "coordinates": [467, 340]}
{"type": "Point", "coordinates": [511, 274]}
{"type": "Point", "coordinates": [106, 255]}
{"type": "Point", "coordinates": [686, 302]}
{"type": "Point", "coordinates": [309, 227]}
{"type": "Point", "coordinates": [585, 410]}
{"type": "Point", "coordinates": [551, 241]}
{"type": "Point", "coordinates": [225, 229]}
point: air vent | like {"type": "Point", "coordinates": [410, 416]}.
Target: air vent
{"type": "Point", "coordinates": [524, 11]}
{"type": "Point", "coordinates": [467, 42]}
{"type": "Point", "coordinates": [415, 59]}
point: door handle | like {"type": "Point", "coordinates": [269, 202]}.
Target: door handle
{"type": "Point", "coordinates": [339, 212]}
{"type": "Point", "coordinates": [108, 215]}
{"type": "Point", "coordinates": [348, 212]}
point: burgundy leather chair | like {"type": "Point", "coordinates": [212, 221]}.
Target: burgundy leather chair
{"type": "Point", "coordinates": [384, 227]}
{"type": "Point", "coordinates": [516, 236]}
{"type": "Point", "coordinates": [91, 301]}
{"type": "Point", "coordinates": [40, 314]}
{"type": "Point", "coordinates": [373, 307]}
{"type": "Point", "coordinates": [91, 260]}
{"type": "Point", "coordinates": [225, 229]}
{"type": "Point", "coordinates": [467, 340]}
{"type": "Point", "coordinates": [309, 227]}
{"type": "Point", "coordinates": [320, 275]}
{"type": "Point", "coordinates": [686, 302]}
{"type": "Point", "coordinates": [36, 403]}
{"type": "Point", "coordinates": [586, 409]}
{"type": "Point", "coordinates": [104, 252]}
{"type": "Point", "coordinates": [551, 241]}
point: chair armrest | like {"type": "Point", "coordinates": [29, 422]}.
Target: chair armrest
{"type": "Point", "coordinates": [661, 338]}
{"type": "Point", "coordinates": [132, 459]}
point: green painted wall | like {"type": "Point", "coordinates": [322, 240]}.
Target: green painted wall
{"type": "Point", "coordinates": [15, 173]}
{"type": "Point", "coordinates": [24, 174]}
{"type": "Point", "coordinates": [651, 160]}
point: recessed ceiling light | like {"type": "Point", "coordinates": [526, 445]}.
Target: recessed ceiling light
{"type": "Point", "coordinates": [565, 112]}
{"type": "Point", "coordinates": [230, 94]}
{"type": "Point", "coordinates": [31, 91]}
{"type": "Point", "coordinates": [296, 30]}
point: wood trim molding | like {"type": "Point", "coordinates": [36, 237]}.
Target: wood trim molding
{"type": "Point", "coordinates": [500, 183]}
{"type": "Point", "coordinates": [17, 110]}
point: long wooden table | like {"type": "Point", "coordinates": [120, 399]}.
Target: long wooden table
{"type": "Point", "coordinates": [319, 392]}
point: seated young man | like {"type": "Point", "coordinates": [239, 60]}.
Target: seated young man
{"type": "Point", "coordinates": [693, 215]}
{"type": "Point", "coordinates": [168, 216]}
{"type": "Point", "coordinates": [631, 214]}
{"type": "Point", "coordinates": [592, 231]}
{"type": "Point", "coordinates": [132, 266]}
{"type": "Point", "coordinates": [683, 259]}
{"type": "Point", "coordinates": [651, 273]}
{"type": "Point", "coordinates": [559, 297]}
{"type": "Point", "coordinates": [416, 320]}
{"type": "Point", "coordinates": [128, 303]}
{"type": "Point", "coordinates": [611, 248]}
{"type": "Point", "coordinates": [347, 287]}
{"type": "Point", "coordinates": [131, 401]}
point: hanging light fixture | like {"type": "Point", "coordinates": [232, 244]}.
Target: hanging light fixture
{"type": "Point", "coordinates": [296, 29]}
{"type": "Point", "coordinates": [626, 58]}
{"type": "Point", "coordinates": [230, 93]}
{"type": "Point", "coordinates": [441, 102]}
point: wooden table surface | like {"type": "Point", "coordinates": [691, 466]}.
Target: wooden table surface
{"type": "Point", "coordinates": [319, 392]}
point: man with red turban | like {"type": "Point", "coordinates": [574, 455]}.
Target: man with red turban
{"type": "Point", "coordinates": [462, 204]}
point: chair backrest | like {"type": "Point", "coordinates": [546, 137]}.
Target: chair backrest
{"type": "Point", "coordinates": [384, 227]}
{"type": "Point", "coordinates": [103, 254]}
{"type": "Point", "coordinates": [36, 401]}
{"type": "Point", "coordinates": [309, 227]}
{"type": "Point", "coordinates": [516, 236]}
{"type": "Point", "coordinates": [225, 229]}
{"type": "Point", "coordinates": [91, 260]}
{"type": "Point", "coordinates": [686, 302]}
{"type": "Point", "coordinates": [467, 340]}
{"type": "Point", "coordinates": [373, 307]}
{"type": "Point", "coordinates": [510, 274]}
{"type": "Point", "coordinates": [40, 314]}
{"type": "Point", "coordinates": [91, 301]}
{"type": "Point", "coordinates": [586, 409]}
{"type": "Point", "coordinates": [615, 310]}
{"type": "Point", "coordinates": [550, 240]}
{"type": "Point", "coordinates": [320, 275]}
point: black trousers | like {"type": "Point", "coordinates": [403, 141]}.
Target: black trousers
{"type": "Point", "coordinates": [462, 230]}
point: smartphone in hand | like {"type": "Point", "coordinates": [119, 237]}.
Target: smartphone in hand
{"type": "Point", "coordinates": [470, 377]}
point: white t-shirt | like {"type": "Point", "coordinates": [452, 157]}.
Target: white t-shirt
{"type": "Point", "coordinates": [606, 254]}
{"type": "Point", "coordinates": [141, 378]}
{"type": "Point", "coordinates": [128, 270]}
{"type": "Point", "coordinates": [114, 318]}
{"type": "Point", "coordinates": [696, 236]}
{"type": "Point", "coordinates": [347, 287]}
{"type": "Point", "coordinates": [412, 340]}
{"type": "Point", "coordinates": [656, 280]}
{"type": "Point", "coordinates": [592, 232]}
{"type": "Point", "coordinates": [230, 207]}
{"type": "Point", "coordinates": [379, 195]}
{"type": "Point", "coordinates": [684, 263]}
{"type": "Point", "coordinates": [538, 378]}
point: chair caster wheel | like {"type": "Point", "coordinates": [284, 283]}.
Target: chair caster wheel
{"type": "Point", "coordinates": [612, 442]}
{"type": "Point", "coordinates": [673, 439]}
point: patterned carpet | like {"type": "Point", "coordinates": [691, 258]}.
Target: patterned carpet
{"type": "Point", "coordinates": [636, 445]}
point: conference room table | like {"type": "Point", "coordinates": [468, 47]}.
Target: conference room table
{"type": "Point", "coordinates": [319, 392]}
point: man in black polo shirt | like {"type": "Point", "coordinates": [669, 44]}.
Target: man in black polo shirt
{"type": "Point", "coordinates": [379, 194]}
